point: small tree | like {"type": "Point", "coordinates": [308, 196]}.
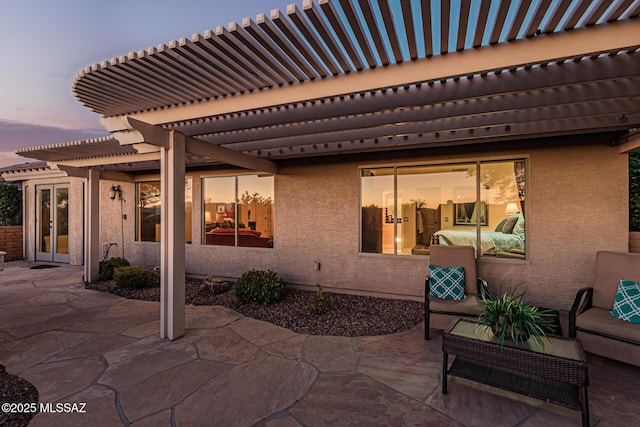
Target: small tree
{"type": "Point", "coordinates": [9, 202]}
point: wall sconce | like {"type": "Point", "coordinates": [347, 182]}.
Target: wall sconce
{"type": "Point", "coordinates": [512, 208]}
{"type": "Point", "coordinates": [115, 190]}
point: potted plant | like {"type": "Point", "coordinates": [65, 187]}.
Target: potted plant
{"type": "Point", "coordinates": [510, 318]}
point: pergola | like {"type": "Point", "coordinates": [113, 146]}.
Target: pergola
{"type": "Point", "coordinates": [349, 76]}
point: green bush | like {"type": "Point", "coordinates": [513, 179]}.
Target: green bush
{"type": "Point", "coordinates": [320, 301]}
{"type": "Point", "coordinates": [108, 267]}
{"type": "Point", "coordinates": [136, 277]}
{"type": "Point", "coordinates": [9, 202]}
{"type": "Point", "coordinates": [261, 286]}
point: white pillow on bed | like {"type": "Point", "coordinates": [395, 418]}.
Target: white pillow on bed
{"type": "Point", "coordinates": [518, 229]}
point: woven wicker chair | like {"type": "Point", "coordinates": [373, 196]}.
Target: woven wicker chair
{"type": "Point", "coordinates": [438, 313]}
{"type": "Point", "coordinates": [590, 320]}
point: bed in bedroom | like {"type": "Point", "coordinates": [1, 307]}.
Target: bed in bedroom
{"type": "Point", "coordinates": [507, 238]}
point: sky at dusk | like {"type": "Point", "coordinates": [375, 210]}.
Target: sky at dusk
{"type": "Point", "coordinates": [47, 42]}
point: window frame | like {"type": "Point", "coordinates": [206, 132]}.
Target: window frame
{"type": "Point", "coordinates": [237, 185]}
{"type": "Point", "coordinates": [154, 179]}
{"type": "Point", "coordinates": [477, 162]}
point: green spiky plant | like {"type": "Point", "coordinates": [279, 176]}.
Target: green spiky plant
{"type": "Point", "coordinates": [510, 318]}
{"type": "Point", "coordinates": [320, 301]}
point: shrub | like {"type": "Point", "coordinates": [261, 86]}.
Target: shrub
{"type": "Point", "coordinates": [9, 202]}
{"type": "Point", "coordinates": [136, 277]}
{"type": "Point", "coordinates": [320, 301]}
{"type": "Point", "coordinates": [108, 267]}
{"type": "Point", "coordinates": [261, 286]}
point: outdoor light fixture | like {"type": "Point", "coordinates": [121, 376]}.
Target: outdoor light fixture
{"type": "Point", "coordinates": [115, 189]}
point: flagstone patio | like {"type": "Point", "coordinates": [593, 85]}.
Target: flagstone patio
{"type": "Point", "coordinates": [82, 346]}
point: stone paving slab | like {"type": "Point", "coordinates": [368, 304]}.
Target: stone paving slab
{"type": "Point", "coordinates": [331, 354]}
{"type": "Point", "coordinates": [77, 345]}
{"type": "Point", "coordinates": [58, 380]}
{"type": "Point", "coordinates": [223, 345]}
{"type": "Point", "coordinates": [38, 349]}
{"type": "Point", "coordinates": [353, 399]}
{"type": "Point", "coordinates": [413, 376]}
{"type": "Point", "coordinates": [99, 410]}
{"type": "Point", "coordinates": [137, 368]}
{"type": "Point", "coordinates": [247, 393]}
{"type": "Point", "coordinates": [166, 389]}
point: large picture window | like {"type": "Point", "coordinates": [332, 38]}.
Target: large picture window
{"type": "Point", "coordinates": [238, 211]}
{"type": "Point", "coordinates": [406, 209]}
{"type": "Point", "coordinates": [148, 211]}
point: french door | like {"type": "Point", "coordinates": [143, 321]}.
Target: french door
{"type": "Point", "coordinates": [52, 223]}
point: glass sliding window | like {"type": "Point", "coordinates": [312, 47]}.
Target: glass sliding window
{"type": "Point", "coordinates": [219, 195]}
{"type": "Point", "coordinates": [406, 209]}
{"type": "Point", "coordinates": [188, 210]}
{"type": "Point", "coordinates": [148, 211]}
{"type": "Point", "coordinates": [430, 198]}
{"type": "Point", "coordinates": [378, 210]}
{"type": "Point", "coordinates": [255, 211]}
{"type": "Point", "coordinates": [238, 211]}
{"type": "Point", "coordinates": [502, 188]}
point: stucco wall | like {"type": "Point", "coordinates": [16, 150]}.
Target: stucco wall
{"type": "Point", "coordinates": [577, 204]}
{"type": "Point", "coordinates": [114, 227]}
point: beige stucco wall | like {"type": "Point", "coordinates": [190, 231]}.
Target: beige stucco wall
{"type": "Point", "coordinates": [577, 204]}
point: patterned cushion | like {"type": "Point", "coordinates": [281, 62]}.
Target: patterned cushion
{"type": "Point", "coordinates": [446, 282]}
{"type": "Point", "coordinates": [500, 226]}
{"type": "Point", "coordinates": [511, 222]}
{"type": "Point", "coordinates": [627, 303]}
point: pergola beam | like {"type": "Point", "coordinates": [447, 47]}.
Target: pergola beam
{"type": "Point", "coordinates": [225, 155]}
{"type": "Point", "coordinates": [629, 142]}
{"type": "Point", "coordinates": [581, 42]}
{"type": "Point", "coordinates": [144, 133]}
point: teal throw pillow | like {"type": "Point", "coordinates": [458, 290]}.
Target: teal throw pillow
{"type": "Point", "coordinates": [627, 303]}
{"type": "Point", "coordinates": [446, 282]}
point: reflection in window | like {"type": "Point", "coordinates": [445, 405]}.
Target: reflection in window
{"type": "Point", "coordinates": [406, 209]}
{"type": "Point", "coordinates": [148, 211]}
{"type": "Point", "coordinates": [502, 186]}
{"type": "Point", "coordinates": [238, 211]}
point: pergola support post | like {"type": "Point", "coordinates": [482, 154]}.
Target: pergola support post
{"type": "Point", "coordinates": [172, 246]}
{"type": "Point", "coordinates": [92, 226]}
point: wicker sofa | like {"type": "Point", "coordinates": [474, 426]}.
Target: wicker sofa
{"type": "Point", "coordinates": [590, 320]}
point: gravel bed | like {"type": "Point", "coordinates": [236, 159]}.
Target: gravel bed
{"type": "Point", "coordinates": [14, 389]}
{"type": "Point", "coordinates": [347, 315]}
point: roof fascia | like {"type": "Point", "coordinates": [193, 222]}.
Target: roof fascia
{"type": "Point", "coordinates": [543, 49]}
{"type": "Point", "coordinates": [111, 160]}
{"type": "Point", "coordinates": [25, 175]}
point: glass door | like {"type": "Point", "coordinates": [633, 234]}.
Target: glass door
{"type": "Point", "coordinates": [52, 224]}
{"type": "Point", "coordinates": [61, 225]}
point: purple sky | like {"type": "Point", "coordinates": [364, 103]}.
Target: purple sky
{"type": "Point", "coordinates": [47, 42]}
